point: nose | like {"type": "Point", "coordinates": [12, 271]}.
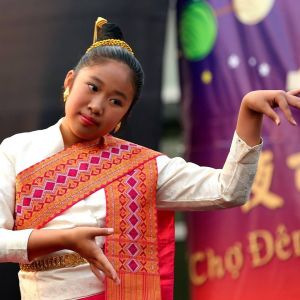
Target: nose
{"type": "Point", "coordinates": [97, 106]}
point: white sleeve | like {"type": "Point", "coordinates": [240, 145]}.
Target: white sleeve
{"type": "Point", "coordinates": [13, 244]}
{"type": "Point", "coordinates": [186, 186]}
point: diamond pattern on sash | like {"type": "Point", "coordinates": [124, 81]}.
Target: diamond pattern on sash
{"type": "Point", "coordinates": [58, 182]}
{"type": "Point", "coordinates": [133, 248]}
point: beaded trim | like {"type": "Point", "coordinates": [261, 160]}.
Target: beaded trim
{"type": "Point", "coordinates": [54, 262]}
{"type": "Point", "coordinates": [111, 42]}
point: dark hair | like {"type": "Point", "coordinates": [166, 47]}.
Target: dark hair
{"type": "Point", "coordinates": [103, 53]}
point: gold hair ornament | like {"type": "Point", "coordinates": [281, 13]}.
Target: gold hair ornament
{"type": "Point", "coordinates": [111, 42]}
{"type": "Point", "coordinates": [98, 24]}
{"type": "Point", "coordinates": [107, 42]}
{"type": "Point", "coordinates": [66, 94]}
{"type": "Point", "coordinates": [117, 128]}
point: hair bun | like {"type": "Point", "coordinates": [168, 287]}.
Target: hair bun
{"type": "Point", "coordinates": [104, 30]}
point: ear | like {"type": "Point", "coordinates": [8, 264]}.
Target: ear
{"type": "Point", "coordinates": [69, 79]}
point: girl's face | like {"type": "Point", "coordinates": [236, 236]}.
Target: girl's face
{"type": "Point", "coordinates": [99, 98]}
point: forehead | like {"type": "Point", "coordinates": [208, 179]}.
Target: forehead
{"type": "Point", "coordinates": [111, 73]}
{"type": "Point", "coordinates": [108, 67]}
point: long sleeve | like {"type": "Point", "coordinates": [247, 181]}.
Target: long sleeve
{"type": "Point", "coordinates": [17, 153]}
{"type": "Point", "coordinates": [187, 186]}
{"type": "Point", "coordinates": [13, 244]}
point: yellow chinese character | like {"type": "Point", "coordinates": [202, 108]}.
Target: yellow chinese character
{"type": "Point", "coordinates": [293, 162]}
{"type": "Point", "coordinates": [261, 194]}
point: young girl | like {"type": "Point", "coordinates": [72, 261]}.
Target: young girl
{"type": "Point", "coordinates": [87, 215]}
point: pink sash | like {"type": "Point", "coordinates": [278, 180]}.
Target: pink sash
{"type": "Point", "coordinates": [142, 247]}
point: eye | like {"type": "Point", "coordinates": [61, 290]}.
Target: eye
{"type": "Point", "coordinates": [93, 87]}
{"type": "Point", "coordinates": [116, 102]}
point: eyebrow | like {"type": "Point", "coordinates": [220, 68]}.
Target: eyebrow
{"type": "Point", "coordinates": [116, 91]}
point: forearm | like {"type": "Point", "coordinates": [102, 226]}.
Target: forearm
{"type": "Point", "coordinates": [187, 186]}
{"type": "Point", "coordinates": [44, 241]}
{"type": "Point", "coordinates": [249, 124]}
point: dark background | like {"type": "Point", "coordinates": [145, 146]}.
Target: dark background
{"type": "Point", "coordinates": [42, 40]}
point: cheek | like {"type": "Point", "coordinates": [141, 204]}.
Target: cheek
{"type": "Point", "coordinates": [71, 105]}
{"type": "Point", "coordinates": [67, 107]}
{"type": "Point", "coordinates": [114, 120]}
{"type": "Point", "coordinates": [124, 112]}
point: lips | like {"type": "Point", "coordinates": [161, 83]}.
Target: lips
{"type": "Point", "coordinates": [87, 120]}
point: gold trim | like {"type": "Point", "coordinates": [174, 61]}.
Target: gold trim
{"type": "Point", "coordinates": [54, 262]}
{"type": "Point", "coordinates": [98, 24]}
{"type": "Point", "coordinates": [111, 42]}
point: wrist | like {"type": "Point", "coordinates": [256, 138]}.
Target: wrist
{"type": "Point", "coordinates": [67, 238]}
{"type": "Point", "coordinates": [44, 241]}
{"type": "Point", "coordinates": [247, 105]}
{"type": "Point", "coordinates": [249, 121]}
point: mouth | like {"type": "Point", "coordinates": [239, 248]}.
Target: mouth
{"type": "Point", "coordinates": [87, 120]}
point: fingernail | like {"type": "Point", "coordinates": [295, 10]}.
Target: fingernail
{"type": "Point", "coordinates": [277, 122]}
{"type": "Point", "coordinates": [116, 278]}
{"type": "Point", "coordinates": [110, 230]}
{"type": "Point", "coordinates": [294, 122]}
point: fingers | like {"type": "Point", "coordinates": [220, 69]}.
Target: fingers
{"type": "Point", "coordinates": [282, 99]}
{"type": "Point", "coordinates": [85, 244]}
{"type": "Point", "coordinates": [98, 273]}
{"type": "Point", "coordinates": [294, 100]}
{"type": "Point", "coordinates": [272, 115]}
{"type": "Point", "coordinates": [100, 261]}
{"type": "Point", "coordinates": [103, 265]}
{"type": "Point", "coordinates": [295, 92]}
{"type": "Point", "coordinates": [94, 231]}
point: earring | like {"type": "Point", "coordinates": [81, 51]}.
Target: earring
{"type": "Point", "coordinates": [117, 128]}
{"type": "Point", "coordinates": [66, 94]}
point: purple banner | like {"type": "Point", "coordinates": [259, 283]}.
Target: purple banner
{"type": "Point", "coordinates": [228, 48]}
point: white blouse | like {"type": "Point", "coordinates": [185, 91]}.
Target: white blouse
{"type": "Point", "coordinates": [181, 186]}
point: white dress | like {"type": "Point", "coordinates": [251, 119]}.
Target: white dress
{"type": "Point", "coordinates": [180, 186]}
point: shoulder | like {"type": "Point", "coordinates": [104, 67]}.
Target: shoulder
{"type": "Point", "coordinates": [22, 139]}
{"type": "Point", "coordinates": [30, 145]}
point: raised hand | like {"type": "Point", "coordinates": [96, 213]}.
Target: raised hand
{"type": "Point", "coordinates": [264, 102]}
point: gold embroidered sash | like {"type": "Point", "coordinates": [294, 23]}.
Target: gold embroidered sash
{"type": "Point", "coordinates": [128, 173]}
{"type": "Point", "coordinates": [133, 248]}
{"type": "Point", "coordinates": [51, 186]}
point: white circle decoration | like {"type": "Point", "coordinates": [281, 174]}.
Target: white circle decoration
{"type": "Point", "coordinates": [264, 69]}
{"type": "Point", "coordinates": [251, 12]}
{"type": "Point", "coordinates": [233, 61]}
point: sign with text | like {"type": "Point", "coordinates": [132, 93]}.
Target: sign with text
{"type": "Point", "coordinates": [229, 48]}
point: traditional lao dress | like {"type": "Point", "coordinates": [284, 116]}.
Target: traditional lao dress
{"type": "Point", "coordinates": [116, 184]}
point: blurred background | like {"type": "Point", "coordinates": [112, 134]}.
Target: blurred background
{"type": "Point", "coordinates": [200, 58]}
